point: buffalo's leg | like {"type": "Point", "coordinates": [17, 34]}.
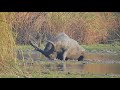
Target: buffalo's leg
{"type": "Point", "coordinates": [81, 58]}
{"type": "Point", "coordinates": [64, 58]}
{"type": "Point", "coordinates": [64, 55]}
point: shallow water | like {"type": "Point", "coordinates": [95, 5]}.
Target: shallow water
{"type": "Point", "coordinates": [95, 68]}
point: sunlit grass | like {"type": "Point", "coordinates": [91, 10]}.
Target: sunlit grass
{"type": "Point", "coordinates": [102, 47]}
{"type": "Point", "coordinates": [27, 47]}
{"type": "Point", "coordinates": [7, 43]}
{"type": "Point", "coordinates": [24, 47]}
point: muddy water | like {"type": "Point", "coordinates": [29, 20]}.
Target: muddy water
{"type": "Point", "coordinates": [96, 63]}
{"type": "Point", "coordinates": [95, 68]}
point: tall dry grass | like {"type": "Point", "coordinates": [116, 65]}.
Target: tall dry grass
{"type": "Point", "coordinates": [8, 64]}
{"type": "Point", "coordinates": [26, 24]}
{"type": "Point", "coordinates": [85, 27]}
{"type": "Point", "coordinates": [7, 45]}
{"type": "Point", "coordinates": [7, 42]}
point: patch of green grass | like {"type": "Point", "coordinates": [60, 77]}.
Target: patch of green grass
{"type": "Point", "coordinates": [26, 47]}
{"type": "Point", "coordinates": [58, 74]}
{"type": "Point", "coordinates": [102, 47]}
{"type": "Point", "coordinates": [71, 75]}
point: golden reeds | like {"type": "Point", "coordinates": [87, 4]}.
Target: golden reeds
{"type": "Point", "coordinates": [7, 43]}
{"type": "Point", "coordinates": [85, 27]}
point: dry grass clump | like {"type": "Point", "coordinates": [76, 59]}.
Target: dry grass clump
{"type": "Point", "coordinates": [7, 43]}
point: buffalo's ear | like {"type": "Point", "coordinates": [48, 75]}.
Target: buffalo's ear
{"type": "Point", "coordinates": [51, 43]}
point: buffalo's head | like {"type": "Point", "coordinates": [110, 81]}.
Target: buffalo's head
{"type": "Point", "coordinates": [49, 50]}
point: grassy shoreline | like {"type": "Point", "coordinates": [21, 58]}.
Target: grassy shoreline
{"type": "Point", "coordinates": [102, 48]}
{"type": "Point", "coordinates": [90, 48]}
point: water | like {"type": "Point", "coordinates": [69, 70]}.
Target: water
{"type": "Point", "coordinates": [95, 63]}
{"type": "Point", "coordinates": [95, 68]}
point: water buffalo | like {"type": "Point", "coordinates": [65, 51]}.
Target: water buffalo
{"type": "Point", "coordinates": [61, 47]}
